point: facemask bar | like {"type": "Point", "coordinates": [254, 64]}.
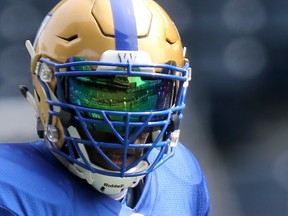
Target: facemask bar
{"type": "Point", "coordinates": [74, 143]}
{"type": "Point", "coordinates": [160, 148]}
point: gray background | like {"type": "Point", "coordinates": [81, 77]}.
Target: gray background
{"type": "Point", "coordinates": [236, 121]}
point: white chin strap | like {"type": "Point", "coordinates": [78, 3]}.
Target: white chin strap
{"type": "Point", "coordinates": [116, 187]}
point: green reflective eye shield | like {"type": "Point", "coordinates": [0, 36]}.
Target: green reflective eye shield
{"type": "Point", "coordinates": [120, 93]}
{"type": "Point", "coordinates": [120, 89]}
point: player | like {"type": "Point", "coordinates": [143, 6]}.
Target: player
{"type": "Point", "coordinates": [110, 78]}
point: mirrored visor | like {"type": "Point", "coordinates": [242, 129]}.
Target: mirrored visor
{"type": "Point", "coordinates": [120, 93]}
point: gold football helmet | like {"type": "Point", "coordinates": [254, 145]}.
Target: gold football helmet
{"type": "Point", "coordinates": [110, 79]}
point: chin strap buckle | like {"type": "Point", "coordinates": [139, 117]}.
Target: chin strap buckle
{"type": "Point", "coordinates": [174, 130]}
{"type": "Point", "coordinates": [174, 138]}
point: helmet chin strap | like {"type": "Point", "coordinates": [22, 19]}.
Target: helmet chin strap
{"type": "Point", "coordinates": [115, 187]}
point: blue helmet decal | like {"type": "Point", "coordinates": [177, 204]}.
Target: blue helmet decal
{"type": "Point", "coordinates": [124, 25]}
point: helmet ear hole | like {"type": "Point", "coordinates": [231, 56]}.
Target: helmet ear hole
{"type": "Point", "coordinates": [65, 118]}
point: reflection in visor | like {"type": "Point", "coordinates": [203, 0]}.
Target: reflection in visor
{"type": "Point", "coordinates": [120, 93]}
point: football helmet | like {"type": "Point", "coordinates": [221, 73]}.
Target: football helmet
{"type": "Point", "coordinates": [110, 79]}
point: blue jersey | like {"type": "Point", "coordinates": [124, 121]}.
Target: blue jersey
{"type": "Point", "coordinates": [33, 182]}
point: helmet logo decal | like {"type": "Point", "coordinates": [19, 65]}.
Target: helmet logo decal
{"type": "Point", "coordinates": [114, 185]}
{"type": "Point", "coordinates": [127, 57]}
{"type": "Point", "coordinates": [125, 34]}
